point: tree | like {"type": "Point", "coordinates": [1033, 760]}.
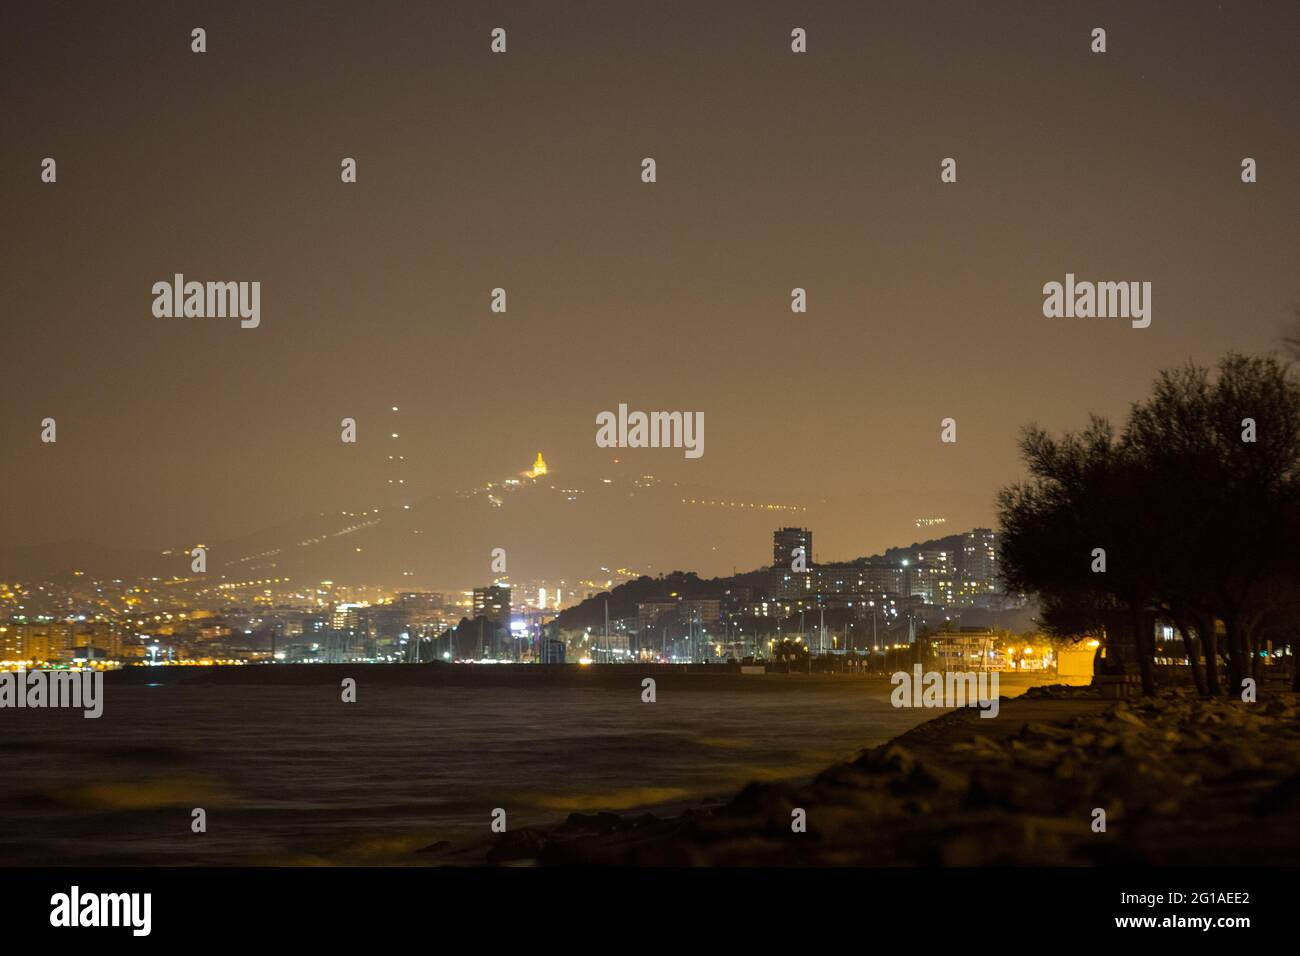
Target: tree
{"type": "Point", "coordinates": [793, 653]}
{"type": "Point", "coordinates": [1076, 534]}
{"type": "Point", "coordinates": [1227, 452]}
{"type": "Point", "coordinates": [1196, 506]}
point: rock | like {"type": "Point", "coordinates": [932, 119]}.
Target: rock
{"type": "Point", "coordinates": [997, 790]}
{"type": "Point", "coordinates": [1129, 717]}
{"type": "Point", "coordinates": [1067, 768]}
{"type": "Point", "coordinates": [517, 845]}
{"type": "Point", "coordinates": [981, 747]}
{"type": "Point", "coordinates": [891, 757]}
{"type": "Point", "coordinates": [1236, 756]}
{"type": "Point", "coordinates": [1282, 798]}
{"type": "Point", "coordinates": [1045, 730]}
{"type": "Point", "coordinates": [1277, 707]}
{"type": "Point", "coordinates": [926, 777]}
{"type": "Point", "coordinates": [598, 822]}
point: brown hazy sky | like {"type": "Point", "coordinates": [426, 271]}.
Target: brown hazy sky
{"type": "Point", "coordinates": [775, 170]}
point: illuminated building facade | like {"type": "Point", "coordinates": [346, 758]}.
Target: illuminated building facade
{"type": "Point", "coordinates": [493, 603]}
{"type": "Point", "coordinates": [784, 542]}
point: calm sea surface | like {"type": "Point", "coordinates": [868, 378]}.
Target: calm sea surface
{"type": "Point", "coordinates": [289, 774]}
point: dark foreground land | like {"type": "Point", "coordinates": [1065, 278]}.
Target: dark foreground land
{"type": "Point", "coordinates": [1182, 781]}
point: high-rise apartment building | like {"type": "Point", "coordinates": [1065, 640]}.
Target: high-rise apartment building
{"type": "Point", "coordinates": [784, 542]}
{"type": "Point", "coordinates": [493, 603]}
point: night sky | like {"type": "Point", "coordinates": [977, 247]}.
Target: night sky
{"type": "Point", "coordinates": [522, 170]}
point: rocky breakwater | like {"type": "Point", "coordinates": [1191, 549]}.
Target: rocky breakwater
{"type": "Point", "coordinates": [1178, 779]}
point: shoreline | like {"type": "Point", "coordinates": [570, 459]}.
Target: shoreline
{"type": "Point", "coordinates": [1176, 780]}
{"type": "Point", "coordinates": [623, 678]}
{"type": "Point", "coordinates": [469, 674]}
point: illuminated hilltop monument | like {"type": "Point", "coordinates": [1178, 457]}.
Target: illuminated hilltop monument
{"type": "Point", "coordinates": [539, 467]}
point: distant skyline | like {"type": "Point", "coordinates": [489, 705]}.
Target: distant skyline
{"type": "Point", "coordinates": [521, 171]}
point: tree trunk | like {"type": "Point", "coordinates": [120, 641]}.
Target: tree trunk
{"type": "Point", "coordinates": [1295, 663]}
{"type": "Point", "coordinates": [1193, 656]}
{"type": "Point", "coordinates": [1232, 642]}
{"type": "Point", "coordinates": [1255, 668]}
{"type": "Point", "coordinates": [1146, 648]}
{"type": "Point", "coordinates": [1210, 641]}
